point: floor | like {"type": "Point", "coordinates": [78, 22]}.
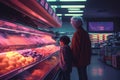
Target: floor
{"type": "Point", "coordinates": [98, 70]}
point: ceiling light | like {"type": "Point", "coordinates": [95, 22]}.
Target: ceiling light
{"type": "Point", "coordinates": [51, 0]}
{"type": "Point", "coordinates": [73, 14]}
{"type": "Point", "coordinates": [75, 11]}
{"type": "Point", "coordinates": [73, 0]}
{"type": "Point", "coordinates": [66, 0]}
{"type": "Point", "coordinates": [72, 6]}
{"type": "Point", "coordinates": [53, 6]}
{"type": "Point", "coordinates": [62, 32]}
{"type": "Point", "coordinates": [59, 14]}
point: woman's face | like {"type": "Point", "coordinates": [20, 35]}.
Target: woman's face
{"type": "Point", "coordinates": [75, 24]}
{"type": "Point", "coordinates": [72, 23]}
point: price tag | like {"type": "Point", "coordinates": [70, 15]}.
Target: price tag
{"type": "Point", "coordinates": [21, 70]}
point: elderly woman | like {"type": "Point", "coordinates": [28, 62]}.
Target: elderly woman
{"type": "Point", "coordinates": [81, 48]}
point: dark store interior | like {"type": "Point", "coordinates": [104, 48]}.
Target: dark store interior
{"type": "Point", "coordinates": [30, 31]}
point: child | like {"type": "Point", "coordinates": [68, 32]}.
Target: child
{"type": "Point", "coordinates": [65, 57]}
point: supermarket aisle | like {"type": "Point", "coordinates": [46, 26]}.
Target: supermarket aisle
{"type": "Point", "coordinates": [99, 71]}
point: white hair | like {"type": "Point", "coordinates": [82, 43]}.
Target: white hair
{"type": "Point", "coordinates": [77, 21]}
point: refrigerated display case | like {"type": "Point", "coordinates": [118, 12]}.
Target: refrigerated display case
{"type": "Point", "coordinates": [96, 40]}
{"type": "Point", "coordinates": [110, 52]}
{"type": "Point", "coordinates": [26, 52]}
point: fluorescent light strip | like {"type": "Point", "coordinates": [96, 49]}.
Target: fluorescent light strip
{"type": "Point", "coordinates": [75, 11]}
{"type": "Point", "coordinates": [72, 6]}
{"type": "Point", "coordinates": [51, 0]}
{"type": "Point", "coordinates": [73, 0]}
{"type": "Point", "coordinates": [70, 14]}
{"type": "Point", "coordinates": [62, 32]}
{"type": "Point", "coordinates": [68, 6]}
{"type": "Point", "coordinates": [66, 0]}
{"type": "Point", "coordinates": [53, 6]}
{"type": "Point", "coordinates": [59, 14]}
{"type": "Point", "coordinates": [73, 14]}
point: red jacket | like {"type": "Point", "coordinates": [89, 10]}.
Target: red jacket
{"type": "Point", "coordinates": [81, 48]}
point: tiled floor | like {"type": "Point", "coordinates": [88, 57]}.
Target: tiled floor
{"type": "Point", "coordinates": [98, 71]}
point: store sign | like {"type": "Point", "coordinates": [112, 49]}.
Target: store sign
{"type": "Point", "coordinates": [46, 6]}
{"type": "Point", "coordinates": [50, 10]}
{"type": "Point", "coordinates": [54, 15]}
{"type": "Point", "coordinates": [42, 2]}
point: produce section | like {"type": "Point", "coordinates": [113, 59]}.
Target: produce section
{"type": "Point", "coordinates": [40, 71]}
{"type": "Point", "coordinates": [18, 61]}
{"type": "Point", "coordinates": [44, 66]}
{"type": "Point", "coordinates": [24, 48]}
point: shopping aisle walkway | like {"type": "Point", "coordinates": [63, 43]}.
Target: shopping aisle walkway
{"type": "Point", "coordinates": [98, 71]}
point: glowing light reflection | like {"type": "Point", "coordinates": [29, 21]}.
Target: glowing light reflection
{"type": "Point", "coordinates": [97, 71]}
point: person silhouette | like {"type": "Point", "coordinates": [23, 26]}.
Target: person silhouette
{"type": "Point", "coordinates": [81, 48]}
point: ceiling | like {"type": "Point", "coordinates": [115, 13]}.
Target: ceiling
{"type": "Point", "coordinates": [102, 8]}
{"type": "Point", "coordinates": [93, 8]}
